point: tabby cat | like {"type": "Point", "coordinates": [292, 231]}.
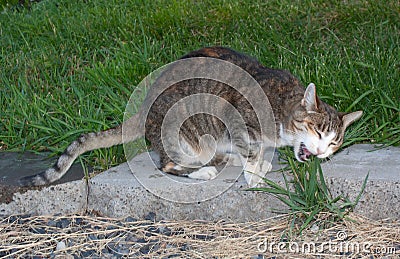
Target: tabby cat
{"type": "Point", "coordinates": [302, 121]}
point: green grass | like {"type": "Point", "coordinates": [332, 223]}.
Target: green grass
{"type": "Point", "coordinates": [69, 67]}
{"type": "Point", "coordinates": [307, 195]}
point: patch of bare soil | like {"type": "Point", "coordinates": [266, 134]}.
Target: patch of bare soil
{"type": "Point", "coordinates": [7, 192]}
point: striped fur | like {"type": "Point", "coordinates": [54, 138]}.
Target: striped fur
{"type": "Point", "coordinates": [302, 120]}
{"type": "Point", "coordinates": [84, 143]}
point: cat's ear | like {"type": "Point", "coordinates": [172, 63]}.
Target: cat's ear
{"type": "Point", "coordinates": [349, 118]}
{"type": "Point", "coordinates": [310, 100]}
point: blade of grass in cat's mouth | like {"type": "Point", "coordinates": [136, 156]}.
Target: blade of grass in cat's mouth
{"type": "Point", "coordinates": [304, 154]}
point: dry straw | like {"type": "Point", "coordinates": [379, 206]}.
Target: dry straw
{"type": "Point", "coordinates": [89, 236]}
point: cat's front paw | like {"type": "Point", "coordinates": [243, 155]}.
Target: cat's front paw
{"type": "Point", "coordinates": [204, 173]}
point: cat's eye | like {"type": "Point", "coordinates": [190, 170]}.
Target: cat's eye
{"type": "Point", "coordinates": [333, 144]}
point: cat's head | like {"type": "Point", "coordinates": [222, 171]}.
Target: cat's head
{"type": "Point", "coordinates": [317, 128]}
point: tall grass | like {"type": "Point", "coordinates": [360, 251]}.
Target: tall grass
{"type": "Point", "coordinates": [306, 194]}
{"type": "Point", "coordinates": [69, 67]}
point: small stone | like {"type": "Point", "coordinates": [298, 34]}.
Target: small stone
{"type": "Point", "coordinates": [114, 234]}
{"type": "Point", "coordinates": [141, 240]}
{"type": "Point", "coordinates": [111, 227]}
{"type": "Point", "coordinates": [61, 245]}
{"type": "Point", "coordinates": [23, 219]}
{"type": "Point", "coordinates": [150, 247]}
{"type": "Point", "coordinates": [203, 237]}
{"type": "Point", "coordinates": [314, 228]}
{"type": "Point", "coordinates": [92, 237]}
{"type": "Point", "coordinates": [165, 231]}
{"type": "Point", "coordinates": [104, 251]}
{"type": "Point", "coordinates": [52, 223]}
{"type": "Point", "coordinates": [112, 246]}
{"type": "Point", "coordinates": [40, 231]}
{"type": "Point", "coordinates": [88, 253]}
{"type": "Point", "coordinates": [79, 221]}
{"type": "Point", "coordinates": [150, 231]}
{"type": "Point", "coordinates": [145, 249]}
{"type": "Point", "coordinates": [173, 256]}
{"type": "Point", "coordinates": [130, 219]}
{"type": "Point", "coordinates": [131, 238]}
{"type": "Point", "coordinates": [149, 234]}
{"type": "Point", "coordinates": [178, 231]}
{"type": "Point", "coordinates": [106, 255]}
{"type": "Point", "coordinates": [63, 223]}
{"type": "Point", "coordinates": [12, 219]}
{"type": "Point", "coordinates": [185, 247]}
{"type": "Point", "coordinates": [170, 246]}
{"type": "Point", "coordinates": [151, 216]}
{"type": "Point", "coordinates": [118, 249]}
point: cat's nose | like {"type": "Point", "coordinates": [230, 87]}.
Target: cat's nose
{"type": "Point", "coordinates": [320, 151]}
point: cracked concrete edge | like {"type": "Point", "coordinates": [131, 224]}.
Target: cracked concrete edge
{"type": "Point", "coordinates": [117, 193]}
{"type": "Point", "coordinates": [379, 200]}
{"type": "Point", "coordinates": [130, 198]}
{"type": "Point", "coordinates": [65, 198]}
{"type": "Point", "coordinates": [122, 197]}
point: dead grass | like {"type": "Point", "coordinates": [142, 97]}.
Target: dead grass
{"type": "Point", "coordinates": [105, 237]}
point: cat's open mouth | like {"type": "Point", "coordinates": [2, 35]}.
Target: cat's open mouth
{"type": "Point", "coordinates": [304, 154]}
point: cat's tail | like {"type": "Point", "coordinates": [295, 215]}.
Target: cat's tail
{"type": "Point", "coordinates": [84, 143]}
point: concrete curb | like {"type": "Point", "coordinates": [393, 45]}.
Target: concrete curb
{"type": "Point", "coordinates": [66, 198]}
{"type": "Point", "coordinates": [118, 193]}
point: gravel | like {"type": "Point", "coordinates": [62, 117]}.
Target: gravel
{"type": "Point", "coordinates": [91, 237]}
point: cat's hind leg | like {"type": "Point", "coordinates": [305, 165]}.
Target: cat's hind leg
{"type": "Point", "coordinates": [202, 173]}
{"type": "Point", "coordinates": [194, 159]}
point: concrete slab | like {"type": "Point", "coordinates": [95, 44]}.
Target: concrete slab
{"type": "Point", "coordinates": [347, 170]}
{"type": "Point", "coordinates": [119, 192]}
{"type": "Point", "coordinates": [65, 198]}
